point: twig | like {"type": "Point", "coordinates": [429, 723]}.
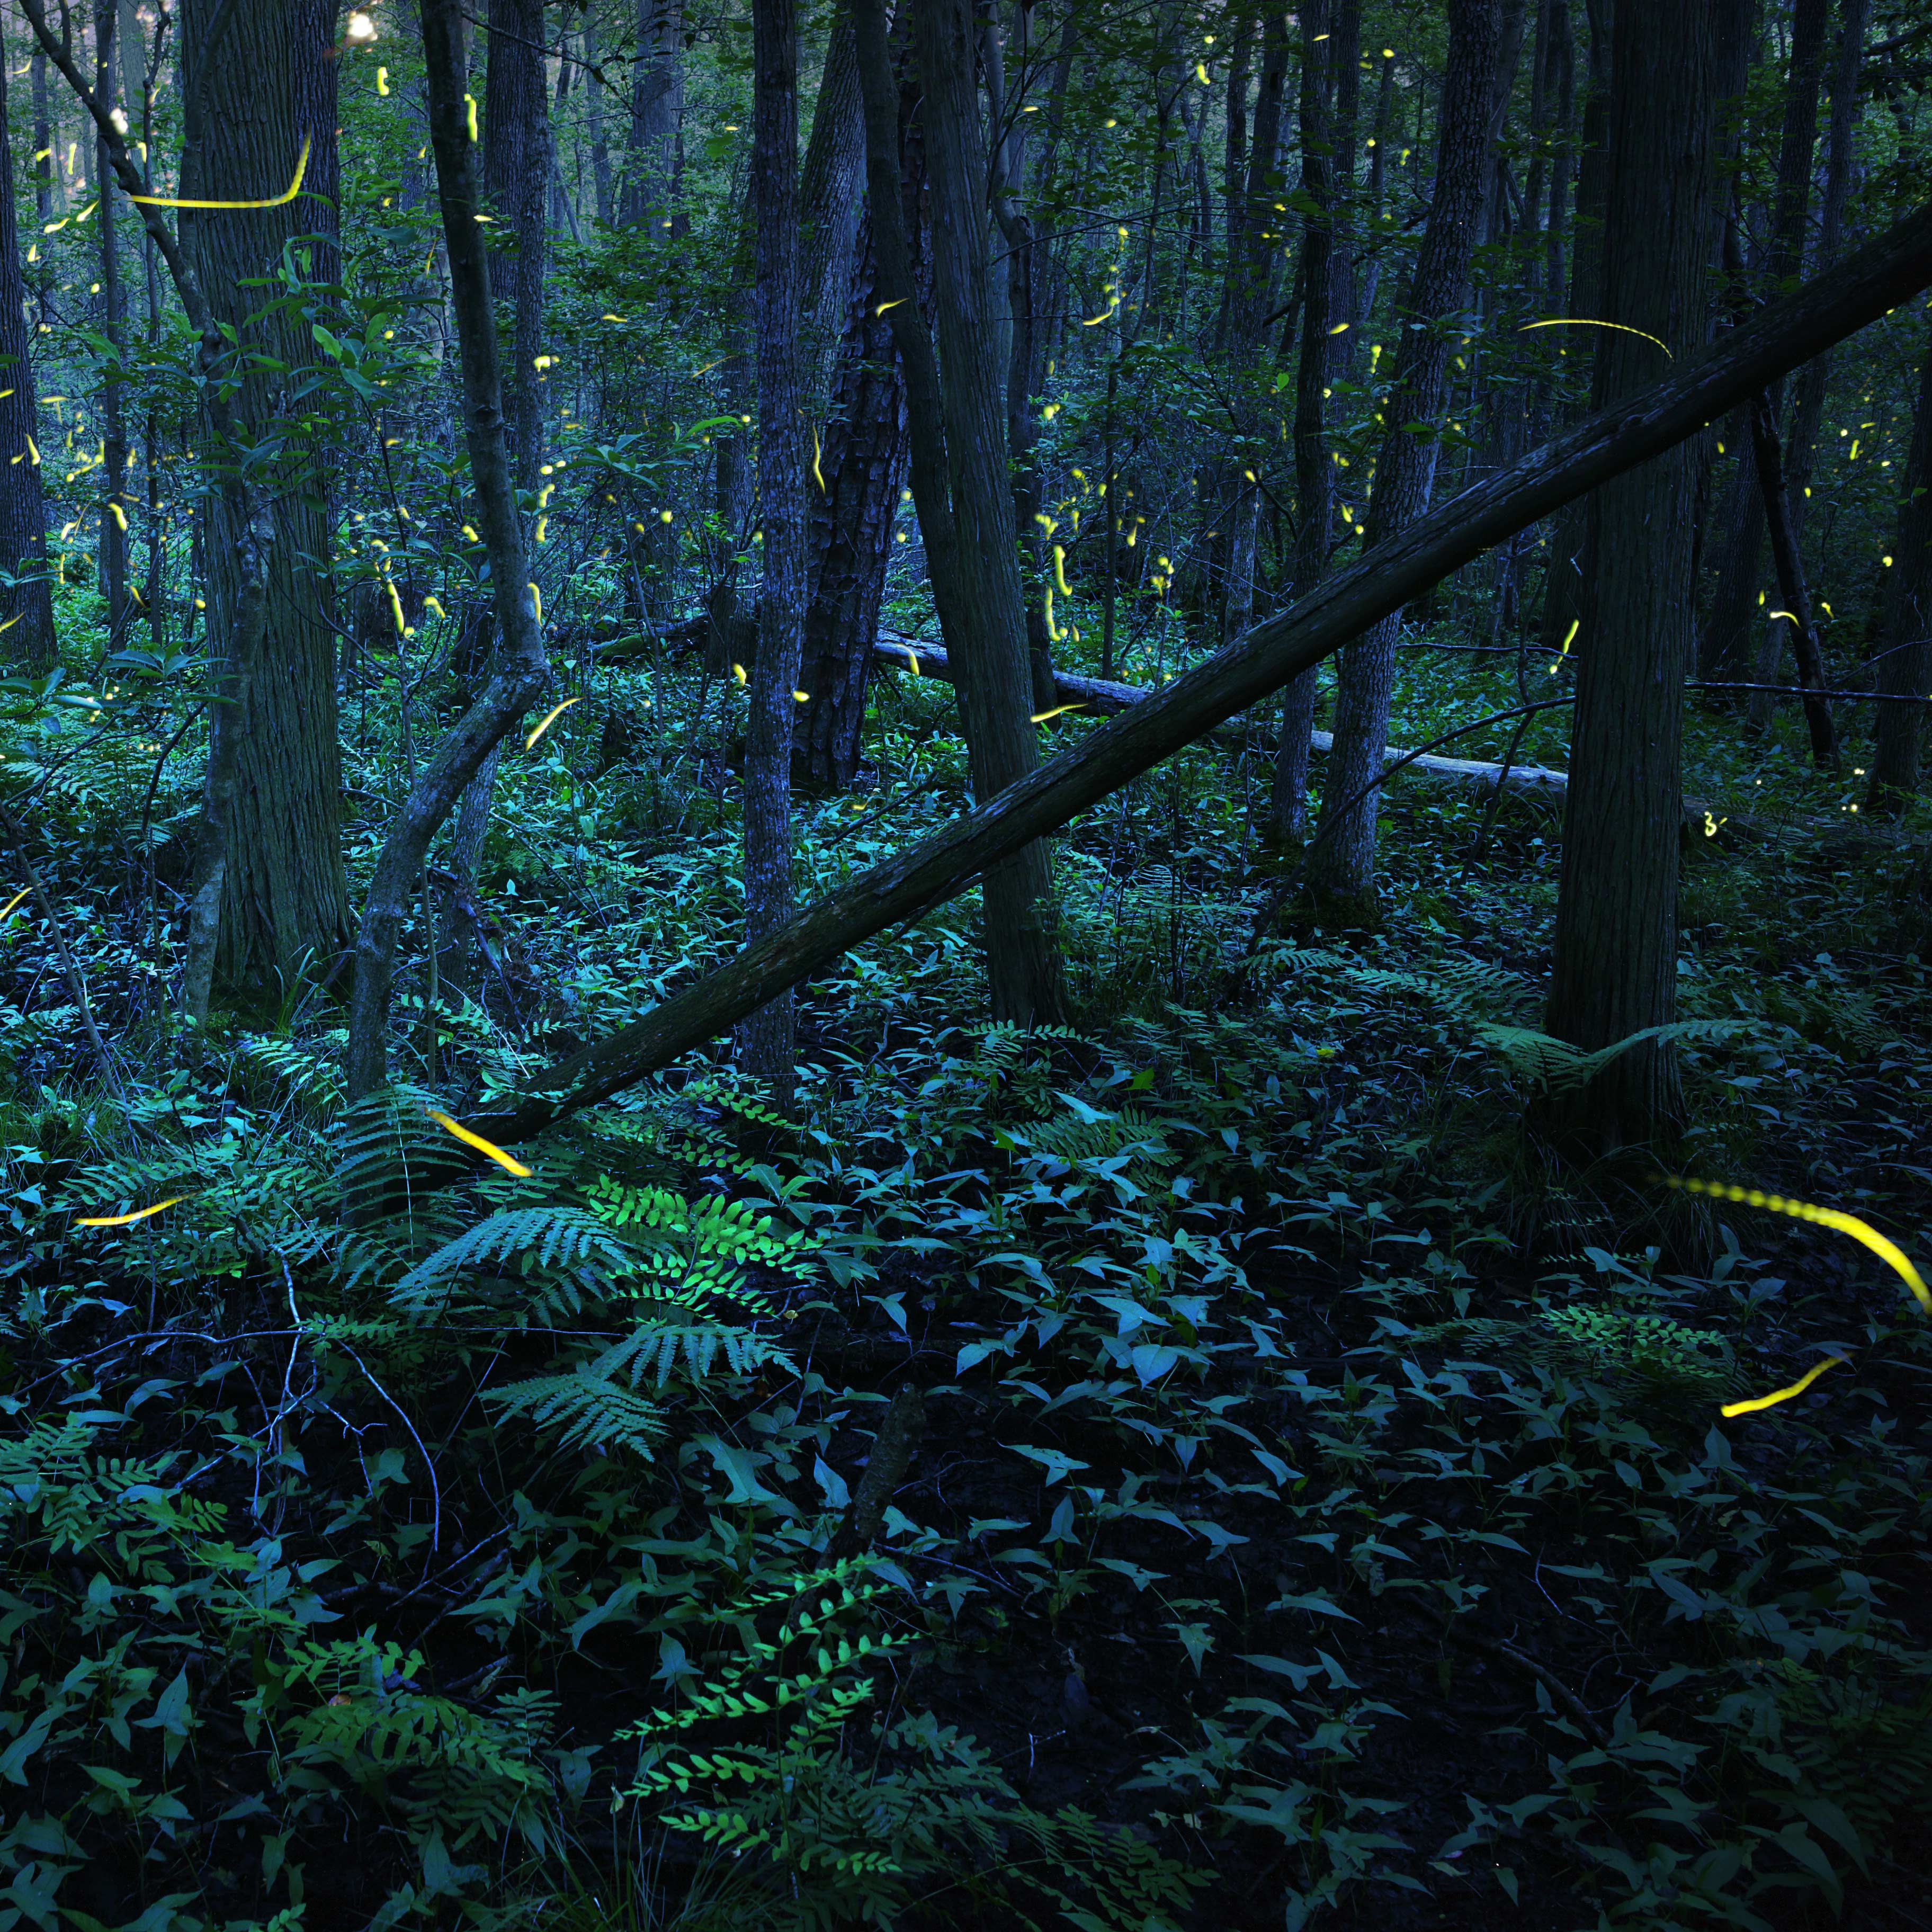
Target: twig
{"type": "Point", "coordinates": [436, 1488]}
{"type": "Point", "coordinates": [1530, 1667]}
{"type": "Point", "coordinates": [76, 985]}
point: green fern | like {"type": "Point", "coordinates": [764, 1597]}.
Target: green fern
{"type": "Point", "coordinates": [564, 1254]}
{"type": "Point", "coordinates": [587, 1410]}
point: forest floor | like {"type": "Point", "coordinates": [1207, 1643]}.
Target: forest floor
{"type": "Point", "coordinates": [1317, 1507]}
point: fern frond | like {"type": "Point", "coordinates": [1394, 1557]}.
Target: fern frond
{"type": "Point", "coordinates": [655, 1349]}
{"type": "Point", "coordinates": [588, 1410]}
{"type": "Point", "coordinates": [572, 1254]}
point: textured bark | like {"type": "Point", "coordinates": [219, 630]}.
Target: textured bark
{"type": "Point", "coordinates": [250, 104]}
{"type": "Point", "coordinates": [959, 465]}
{"type": "Point", "coordinates": [600, 144]}
{"type": "Point", "coordinates": [516, 179]}
{"type": "Point", "coordinates": [657, 108]}
{"type": "Point", "coordinates": [831, 195]}
{"type": "Point", "coordinates": [113, 539]}
{"type": "Point", "coordinates": [1615, 970]}
{"type": "Point", "coordinates": [1314, 469]}
{"type": "Point", "coordinates": [511, 692]}
{"type": "Point", "coordinates": [1341, 868]}
{"type": "Point", "coordinates": [1905, 665]}
{"type": "Point", "coordinates": [26, 606]}
{"type": "Point", "coordinates": [765, 1038]}
{"type": "Point", "coordinates": [1893, 269]}
{"type": "Point", "coordinates": [864, 466]}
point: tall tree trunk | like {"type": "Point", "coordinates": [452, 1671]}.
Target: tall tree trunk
{"type": "Point", "coordinates": [1905, 660]}
{"type": "Point", "coordinates": [1314, 469]}
{"type": "Point", "coordinates": [1615, 970]}
{"type": "Point", "coordinates": [765, 1039]}
{"type": "Point", "coordinates": [510, 693]}
{"type": "Point", "coordinates": [516, 179]}
{"type": "Point", "coordinates": [959, 467]}
{"type": "Point", "coordinates": [1725, 651]}
{"type": "Point", "coordinates": [657, 109]}
{"type": "Point", "coordinates": [1342, 869]}
{"type": "Point", "coordinates": [831, 195]}
{"type": "Point", "coordinates": [864, 466]}
{"type": "Point", "coordinates": [114, 429]}
{"type": "Point", "coordinates": [26, 608]}
{"type": "Point", "coordinates": [600, 143]}
{"type": "Point", "coordinates": [251, 103]}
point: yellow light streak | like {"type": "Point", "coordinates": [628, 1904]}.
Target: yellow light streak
{"type": "Point", "coordinates": [818, 472]}
{"type": "Point", "coordinates": [1041, 717]}
{"type": "Point", "coordinates": [738, 672]}
{"type": "Point", "coordinates": [1059, 569]}
{"type": "Point", "coordinates": [34, 452]}
{"type": "Point", "coordinates": [435, 605]}
{"type": "Point", "coordinates": [1887, 1250]}
{"type": "Point", "coordinates": [1340, 328]}
{"type": "Point", "coordinates": [489, 1147]}
{"type": "Point", "coordinates": [536, 603]}
{"type": "Point", "coordinates": [549, 719]}
{"type": "Point", "coordinates": [381, 80]}
{"type": "Point", "coordinates": [14, 900]}
{"type": "Point", "coordinates": [274, 201]}
{"type": "Point", "coordinates": [396, 605]}
{"type": "Point", "coordinates": [1777, 1395]}
{"type": "Point", "coordinates": [127, 1220]}
{"type": "Point", "coordinates": [1094, 321]}
{"type": "Point", "coordinates": [1590, 322]}
{"type": "Point", "coordinates": [469, 108]}
{"type": "Point", "coordinates": [1792, 615]}
{"type": "Point", "coordinates": [898, 302]}
{"type": "Point", "coordinates": [120, 516]}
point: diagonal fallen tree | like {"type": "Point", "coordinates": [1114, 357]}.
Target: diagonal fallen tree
{"type": "Point", "coordinates": [1896, 266]}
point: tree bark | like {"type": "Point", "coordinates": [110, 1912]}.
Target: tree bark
{"type": "Point", "coordinates": [113, 550]}
{"type": "Point", "coordinates": [766, 1039]}
{"type": "Point", "coordinates": [600, 144]}
{"type": "Point", "coordinates": [516, 183]}
{"type": "Point", "coordinates": [1892, 269]}
{"type": "Point", "coordinates": [1342, 870]}
{"type": "Point", "coordinates": [1791, 585]}
{"type": "Point", "coordinates": [657, 108]}
{"type": "Point", "coordinates": [960, 466]}
{"type": "Point", "coordinates": [863, 463]}
{"type": "Point", "coordinates": [1314, 469]}
{"type": "Point", "coordinates": [831, 195]}
{"type": "Point", "coordinates": [26, 606]}
{"type": "Point", "coordinates": [1905, 662]}
{"type": "Point", "coordinates": [514, 689]}
{"type": "Point", "coordinates": [1615, 970]}
{"type": "Point", "coordinates": [251, 104]}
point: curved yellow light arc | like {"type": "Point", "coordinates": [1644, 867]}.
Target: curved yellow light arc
{"type": "Point", "coordinates": [127, 1220]}
{"type": "Point", "coordinates": [551, 717]}
{"type": "Point", "coordinates": [1592, 322]}
{"type": "Point", "coordinates": [509, 1165]}
{"type": "Point", "coordinates": [274, 201]}
{"type": "Point", "coordinates": [1777, 1395]}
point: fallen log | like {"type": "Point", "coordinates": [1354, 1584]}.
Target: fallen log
{"type": "Point", "coordinates": [1857, 290]}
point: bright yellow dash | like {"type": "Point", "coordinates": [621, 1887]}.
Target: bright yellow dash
{"type": "Point", "coordinates": [1094, 321]}
{"type": "Point", "coordinates": [275, 201]}
{"type": "Point", "coordinates": [432, 604]}
{"type": "Point", "coordinates": [1781, 613]}
{"type": "Point", "coordinates": [1777, 1395]}
{"type": "Point", "coordinates": [120, 516]}
{"type": "Point", "coordinates": [1576, 624]}
{"type": "Point", "coordinates": [899, 303]}
{"type": "Point", "coordinates": [1041, 717]}
{"type": "Point", "coordinates": [1588, 321]}
{"type": "Point", "coordinates": [619, 318]}
{"type": "Point", "coordinates": [536, 603]}
{"type": "Point", "coordinates": [1340, 328]}
{"type": "Point", "coordinates": [738, 672]}
{"type": "Point", "coordinates": [818, 472]}
{"type": "Point", "coordinates": [1059, 569]}
{"type": "Point", "coordinates": [14, 900]}
{"type": "Point", "coordinates": [124, 1220]}
{"type": "Point", "coordinates": [469, 105]}
{"type": "Point", "coordinates": [550, 718]}
{"type": "Point", "coordinates": [482, 1146]}
{"type": "Point", "coordinates": [1888, 1251]}
{"type": "Point", "coordinates": [381, 80]}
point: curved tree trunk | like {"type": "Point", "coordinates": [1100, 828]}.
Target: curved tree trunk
{"type": "Point", "coordinates": [1342, 870]}
{"type": "Point", "coordinates": [1615, 970]}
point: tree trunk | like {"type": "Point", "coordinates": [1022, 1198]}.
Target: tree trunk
{"type": "Point", "coordinates": [831, 195]}
{"type": "Point", "coordinates": [516, 182]}
{"type": "Point", "coordinates": [1892, 270]}
{"type": "Point", "coordinates": [1314, 469]}
{"type": "Point", "coordinates": [1796, 604]}
{"type": "Point", "coordinates": [960, 466]}
{"type": "Point", "coordinates": [1905, 661]}
{"type": "Point", "coordinates": [765, 1038]}
{"type": "Point", "coordinates": [1725, 650]}
{"type": "Point", "coordinates": [26, 608]}
{"type": "Point", "coordinates": [657, 108]}
{"type": "Point", "coordinates": [511, 692]}
{"type": "Point", "coordinates": [600, 144]}
{"type": "Point", "coordinates": [251, 104]}
{"type": "Point", "coordinates": [1342, 869]}
{"type": "Point", "coordinates": [864, 466]}
{"type": "Point", "coordinates": [1615, 970]}
{"type": "Point", "coordinates": [114, 430]}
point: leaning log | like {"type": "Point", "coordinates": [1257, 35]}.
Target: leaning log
{"type": "Point", "coordinates": [1858, 290]}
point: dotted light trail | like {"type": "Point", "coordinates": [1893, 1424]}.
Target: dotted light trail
{"type": "Point", "coordinates": [1588, 321]}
